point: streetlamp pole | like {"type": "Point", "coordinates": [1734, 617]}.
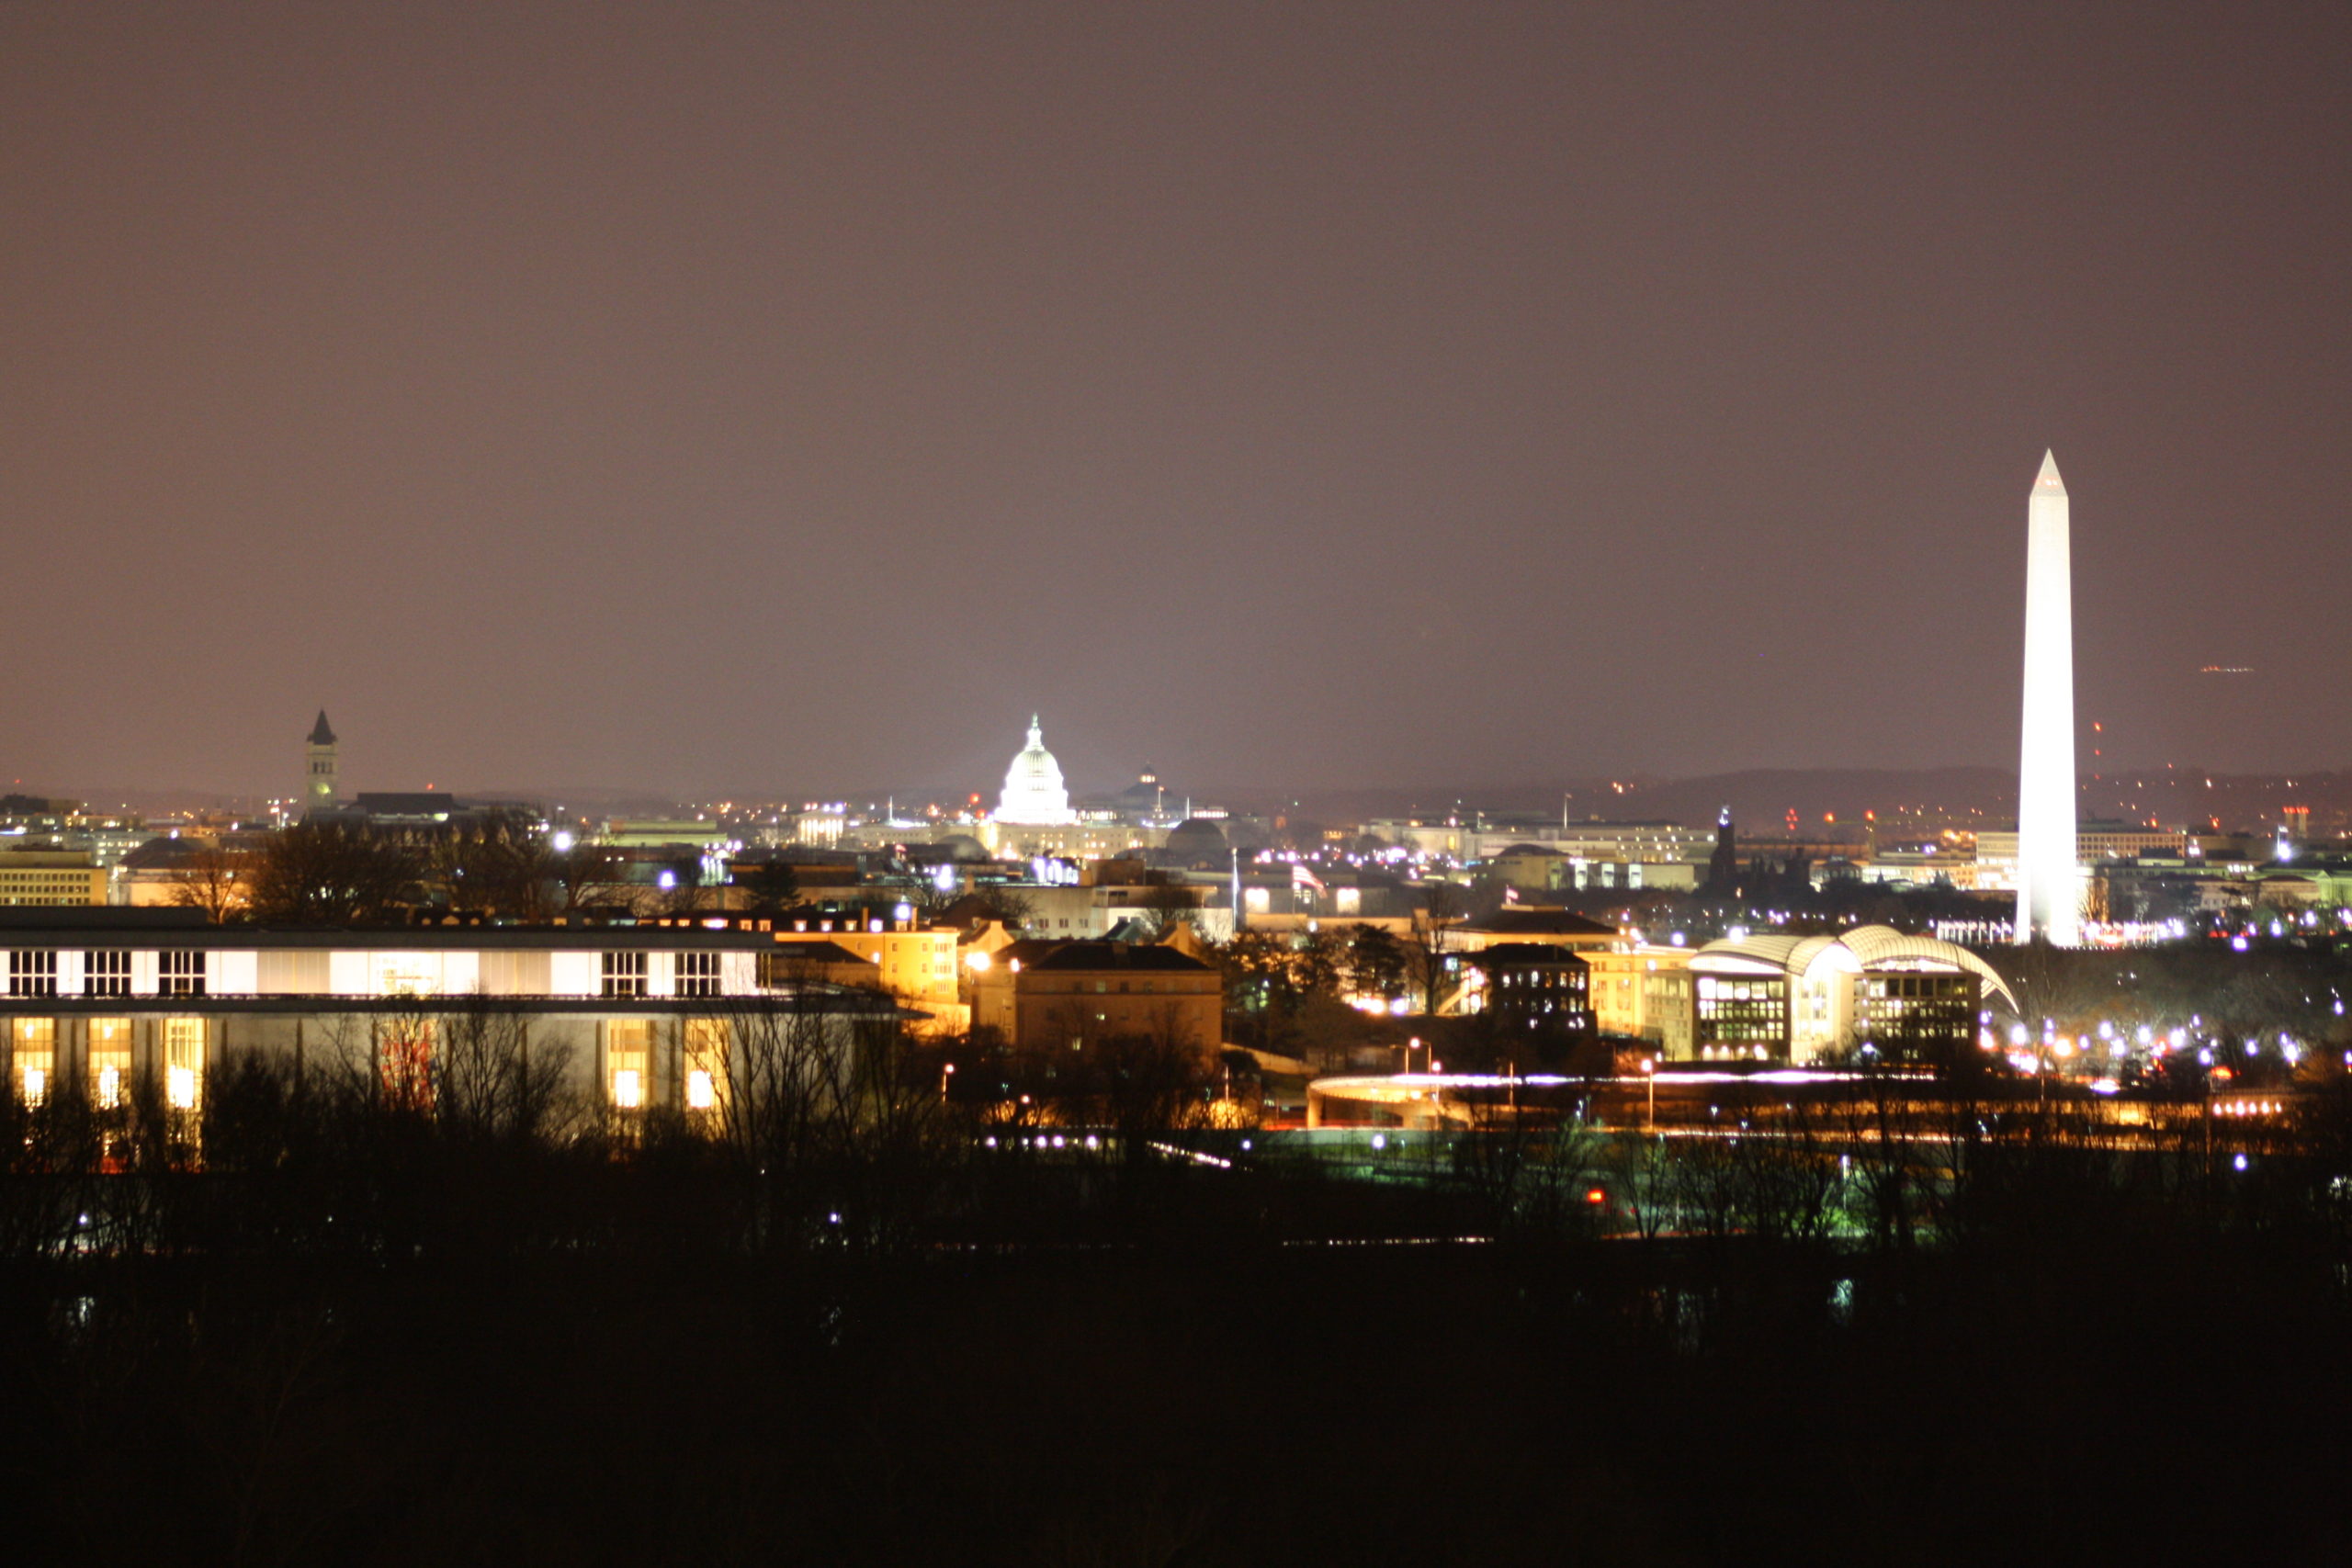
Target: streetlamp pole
{"type": "Point", "coordinates": [1649, 1083]}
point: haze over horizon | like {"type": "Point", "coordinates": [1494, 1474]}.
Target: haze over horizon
{"type": "Point", "coordinates": [720, 399]}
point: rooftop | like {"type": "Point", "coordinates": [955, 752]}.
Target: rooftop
{"type": "Point", "coordinates": [1539, 922]}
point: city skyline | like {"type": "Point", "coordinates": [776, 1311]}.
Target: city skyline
{"type": "Point", "coordinates": [2110, 789]}
{"type": "Point", "coordinates": [1637, 393]}
{"type": "Point", "coordinates": [873, 783]}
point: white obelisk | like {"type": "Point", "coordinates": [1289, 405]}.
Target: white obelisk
{"type": "Point", "coordinates": [2048, 887]}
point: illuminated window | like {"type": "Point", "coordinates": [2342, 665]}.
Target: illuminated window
{"type": "Point", "coordinates": [32, 973]}
{"type": "Point", "coordinates": [624, 973]}
{"type": "Point", "coordinates": [628, 1063]}
{"type": "Point", "coordinates": [705, 1064]}
{"type": "Point", "coordinates": [180, 972]}
{"type": "Point", "coordinates": [32, 1057]}
{"type": "Point", "coordinates": [183, 1062]}
{"type": "Point", "coordinates": [109, 1061]}
{"type": "Point", "coordinates": [105, 972]}
{"type": "Point", "coordinates": [698, 973]}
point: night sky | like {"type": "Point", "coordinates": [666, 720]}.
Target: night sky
{"type": "Point", "coordinates": [761, 399]}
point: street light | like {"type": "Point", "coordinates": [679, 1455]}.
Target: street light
{"type": "Point", "coordinates": [1649, 1082]}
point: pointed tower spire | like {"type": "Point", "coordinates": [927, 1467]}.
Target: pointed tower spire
{"type": "Point", "coordinates": [2049, 484]}
{"type": "Point", "coordinates": [321, 765]}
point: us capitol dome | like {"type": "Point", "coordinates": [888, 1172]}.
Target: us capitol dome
{"type": "Point", "coordinates": [1033, 793]}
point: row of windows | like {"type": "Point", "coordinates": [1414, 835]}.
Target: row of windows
{"type": "Point", "coordinates": [702, 1065]}
{"type": "Point", "coordinates": [1943, 1018]}
{"type": "Point", "coordinates": [1757, 1018]}
{"type": "Point", "coordinates": [33, 973]}
{"type": "Point", "coordinates": [1533, 1009]}
{"type": "Point", "coordinates": [624, 973]}
{"type": "Point", "coordinates": [1910, 986]}
{"type": "Point", "coordinates": [404, 1058]}
{"type": "Point", "coordinates": [1741, 990]}
{"type": "Point", "coordinates": [105, 972]}
{"type": "Point", "coordinates": [186, 972]}
{"type": "Point", "coordinates": [1542, 980]}
{"type": "Point", "coordinates": [1937, 1007]}
{"type": "Point", "coordinates": [32, 1060]}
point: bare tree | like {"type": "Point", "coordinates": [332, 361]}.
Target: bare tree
{"type": "Point", "coordinates": [1636, 1179]}
{"type": "Point", "coordinates": [770, 886]}
{"type": "Point", "coordinates": [1166, 905]}
{"type": "Point", "coordinates": [333, 874]}
{"type": "Point", "coordinates": [581, 876]}
{"type": "Point", "coordinates": [1153, 1084]}
{"type": "Point", "coordinates": [214, 880]}
{"type": "Point", "coordinates": [489, 1079]}
{"type": "Point", "coordinates": [500, 865]}
{"type": "Point", "coordinates": [681, 890]}
{"type": "Point", "coordinates": [833, 1115]}
{"type": "Point", "coordinates": [1429, 954]}
{"type": "Point", "coordinates": [995, 901]}
{"type": "Point", "coordinates": [1530, 1173]}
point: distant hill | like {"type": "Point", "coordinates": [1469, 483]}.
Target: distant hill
{"type": "Point", "coordinates": [1761, 798]}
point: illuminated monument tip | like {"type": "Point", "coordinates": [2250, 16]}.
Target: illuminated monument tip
{"type": "Point", "coordinates": [2049, 887]}
{"type": "Point", "coordinates": [1033, 793]}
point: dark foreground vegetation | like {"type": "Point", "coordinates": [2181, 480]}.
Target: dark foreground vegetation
{"type": "Point", "coordinates": [357, 1332]}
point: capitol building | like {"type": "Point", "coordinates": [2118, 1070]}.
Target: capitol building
{"type": "Point", "coordinates": [1035, 796]}
{"type": "Point", "coordinates": [1033, 815]}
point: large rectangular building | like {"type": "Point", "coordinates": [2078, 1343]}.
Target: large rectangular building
{"type": "Point", "coordinates": [1805, 999]}
{"type": "Point", "coordinates": [638, 1016]}
{"type": "Point", "coordinates": [50, 879]}
{"type": "Point", "coordinates": [1054, 996]}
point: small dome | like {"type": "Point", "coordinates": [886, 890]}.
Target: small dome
{"type": "Point", "coordinates": [1198, 841]}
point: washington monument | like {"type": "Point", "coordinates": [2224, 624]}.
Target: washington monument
{"type": "Point", "coordinates": [2049, 890]}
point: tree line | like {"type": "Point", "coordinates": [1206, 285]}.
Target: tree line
{"type": "Point", "coordinates": [499, 866]}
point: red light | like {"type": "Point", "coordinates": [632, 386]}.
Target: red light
{"type": "Point", "coordinates": [1596, 1195]}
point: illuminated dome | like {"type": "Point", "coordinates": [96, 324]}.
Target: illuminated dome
{"type": "Point", "coordinates": [1033, 793]}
